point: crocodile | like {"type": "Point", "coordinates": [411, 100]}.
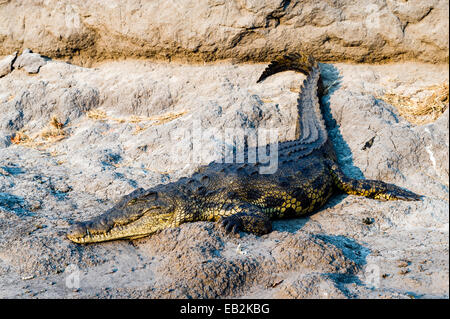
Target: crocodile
{"type": "Point", "coordinates": [238, 195]}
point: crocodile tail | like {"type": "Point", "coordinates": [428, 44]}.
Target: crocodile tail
{"type": "Point", "coordinates": [293, 62]}
{"type": "Point", "coordinates": [311, 133]}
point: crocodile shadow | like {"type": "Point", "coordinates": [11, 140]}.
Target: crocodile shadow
{"type": "Point", "coordinates": [331, 78]}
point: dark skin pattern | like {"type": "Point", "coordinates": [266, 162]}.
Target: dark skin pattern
{"type": "Point", "coordinates": [236, 194]}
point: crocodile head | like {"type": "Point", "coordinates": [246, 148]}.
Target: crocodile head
{"type": "Point", "coordinates": [136, 215]}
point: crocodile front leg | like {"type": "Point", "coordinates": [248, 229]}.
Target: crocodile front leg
{"type": "Point", "coordinates": [370, 188]}
{"type": "Point", "coordinates": [236, 216]}
{"type": "Point", "coordinates": [255, 222]}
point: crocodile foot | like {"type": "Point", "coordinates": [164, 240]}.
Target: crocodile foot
{"type": "Point", "coordinates": [250, 222]}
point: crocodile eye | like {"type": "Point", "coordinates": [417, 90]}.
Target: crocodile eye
{"type": "Point", "coordinates": [132, 202]}
{"type": "Point", "coordinates": [151, 195]}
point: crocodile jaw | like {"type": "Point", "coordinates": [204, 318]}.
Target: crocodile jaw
{"type": "Point", "coordinates": [86, 237]}
{"type": "Point", "coordinates": [85, 233]}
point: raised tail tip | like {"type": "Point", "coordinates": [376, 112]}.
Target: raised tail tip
{"type": "Point", "coordinates": [298, 62]}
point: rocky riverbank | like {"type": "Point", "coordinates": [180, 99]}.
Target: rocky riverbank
{"type": "Point", "coordinates": [208, 30]}
{"type": "Point", "coordinates": [73, 140]}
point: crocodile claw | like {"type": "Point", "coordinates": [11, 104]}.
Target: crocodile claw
{"type": "Point", "coordinates": [231, 224]}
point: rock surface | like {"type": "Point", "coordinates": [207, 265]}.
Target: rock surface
{"type": "Point", "coordinates": [6, 64]}
{"type": "Point", "coordinates": [29, 61]}
{"type": "Point", "coordinates": [73, 140]}
{"type": "Point", "coordinates": [341, 30]}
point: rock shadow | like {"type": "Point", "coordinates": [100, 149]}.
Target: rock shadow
{"type": "Point", "coordinates": [13, 169]}
{"type": "Point", "coordinates": [15, 204]}
{"type": "Point", "coordinates": [349, 247]}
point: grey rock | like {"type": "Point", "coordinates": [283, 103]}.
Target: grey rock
{"type": "Point", "coordinates": [6, 64]}
{"type": "Point", "coordinates": [35, 102]}
{"type": "Point", "coordinates": [30, 62]}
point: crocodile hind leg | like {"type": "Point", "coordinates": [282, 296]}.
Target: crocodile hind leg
{"type": "Point", "coordinates": [370, 188]}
